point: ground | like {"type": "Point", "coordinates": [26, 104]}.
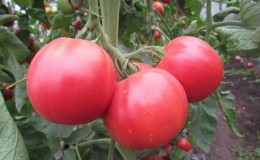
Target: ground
{"type": "Point", "coordinates": [244, 84]}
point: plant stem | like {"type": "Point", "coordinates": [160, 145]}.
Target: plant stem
{"type": "Point", "coordinates": [159, 30]}
{"type": "Point", "coordinates": [95, 141]}
{"type": "Point", "coordinates": [150, 17]}
{"type": "Point", "coordinates": [110, 21]}
{"type": "Point", "coordinates": [145, 50]}
{"type": "Point", "coordinates": [209, 20]}
{"type": "Point", "coordinates": [111, 149]}
{"type": "Point", "coordinates": [77, 152]}
{"type": "Point", "coordinates": [165, 24]}
{"type": "Point", "coordinates": [17, 82]}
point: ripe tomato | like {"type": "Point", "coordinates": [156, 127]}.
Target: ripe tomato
{"type": "Point", "coordinates": [184, 144]}
{"type": "Point", "coordinates": [77, 24]}
{"type": "Point", "coordinates": [157, 35]}
{"type": "Point", "coordinates": [250, 65]}
{"type": "Point", "coordinates": [195, 64]}
{"type": "Point", "coordinates": [71, 81]}
{"type": "Point", "coordinates": [143, 66]}
{"type": "Point", "coordinates": [8, 94]}
{"type": "Point", "coordinates": [148, 110]}
{"type": "Point", "coordinates": [238, 58]}
{"type": "Point", "coordinates": [167, 149]}
{"type": "Point", "coordinates": [159, 7]}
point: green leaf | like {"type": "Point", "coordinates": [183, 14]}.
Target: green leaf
{"type": "Point", "coordinates": [39, 14]}
{"type": "Point", "coordinates": [225, 12]}
{"type": "Point", "coordinates": [19, 72]}
{"type": "Point", "coordinates": [239, 40]}
{"type": "Point", "coordinates": [256, 35]}
{"type": "Point", "coordinates": [226, 103]}
{"type": "Point", "coordinates": [11, 142]}
{"type": "Point", "coordinates": [36, 142]}
{"type": "Point", "coordinates": [69, 155]}
{"type": "Point", "coordinates": [125, 153]}
{"type": "Point", "coordinates": [52, 129]}
{"type": "Point", "coordinates": [192, 28]}
{"type": "Point", "coordinates": [61, 21]}
{"type": "Point", "coordinates": [204, 122]}
{"type": "Point", "coordinates": [78, 135]}
{"type": "Point", "coordinates": [11, 45]}
{"type": "Point", "coordinates": [7, 18]}
{"type": "Point", "coordinates": [250, 13]}
{"type": "Point", "coordinates": [195, 6]}
{"type": "Point", "coordinates": [23, 3]}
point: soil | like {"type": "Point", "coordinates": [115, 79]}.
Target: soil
{"type": "Point", "coordinates": [244, 84]}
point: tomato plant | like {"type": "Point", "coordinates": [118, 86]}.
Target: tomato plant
{"type": "Point", "coordinates": [195, 64]}
{"type": "Point", "coordinates": [60, 81]}
{"type": "Point", "coordinates": [131, 121]}
{"type": "Point", "coordinates": [184, 144]}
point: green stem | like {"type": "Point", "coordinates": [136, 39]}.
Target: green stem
{"type": "Point", "coordinates": [110, 21]}
{"type": "Point", "coordinates": [209, 20]}
{"type": "Point", "coordinates": [161, 32]}
{"type": "Point", "coordinates": [77, 152]}
{"type": "Point", "coordinates": [111, 149]}
{"type": "Point", "coordinates": [144, 50]}
{"type": "Point", "coordinates": [165, 24]}
{"type": "Point", "coordinates": [94, 141]}
{"type": "Point", "coordinates": [150, 17]}
{"type": "Point", "coordinates": [221, 24]}
{"type": "Point", "coordinates": [15, 83]}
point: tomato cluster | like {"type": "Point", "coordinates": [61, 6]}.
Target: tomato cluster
{"type": "Point", "coordinates": [73, 81]}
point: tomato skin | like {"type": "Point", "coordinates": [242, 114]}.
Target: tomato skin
{"type": "Point", "coordinates": [157, 35]}
{"type": "Point", "coordinates": [195, 64]}
{"type": "Point", "coordinates": [250, 65]}
{"type": "Point", "coordinates": [148, 109]}
{"type": "Point", "coordinates": [65, 81]}
{"type": "Point", "coordinates": [159, 7]}
{"type": "Point", "coordinates": [184, 144]}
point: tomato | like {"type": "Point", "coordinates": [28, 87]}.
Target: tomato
{"type": "Point", "coordinates": [195, 64]}
{"type": "Point", "coordinates": [250, 65]}
{"type": "Point", "coordinates": [8, 24]}
{"type": "Point", "coordinates": [167, 149]}
{"type": "Point", "coordinates": [48, 10]}
{"type": "Point", "coordinates": [148, 109]}
{"type": "Point", "coordinates": [184, 144]}
{"type": "Point", "coordinates": [238, 58]}
{"type": "Point", "coordinates": [77, 24]}
{"type": "Point", "coordinates": [8, 94]}
{"type": "Point", "coordinates": [44, 25]}
{"type": "Point", "coordinates": [71, 81]}
{"type": "Point", "coordinates": [159, 7]}
{"type": "Point", "coordinates": [157, 35]}
{"type": "Point", "coordinates": [143, 66]}
{"type": "Point", "coordinates": [64, 6]}
{"type": "Point", "coordinates": [166, 1]}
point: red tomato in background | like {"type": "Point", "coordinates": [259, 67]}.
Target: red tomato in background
{"type": "Point", "coordinates": [8, 94]}
{"type": "Point", "coordinates": [167, 149]}
{"type": "Point", "coordinates": [157, 35]}
{"type": "Point", "coordinates": [184, 144]}
{"type": "Point", "coordinates": [71, 81]}
{"type": "Point", "coordinates": [148, 110]}
{"type": "Point", "coordinates": [159, 7]}
{"type": "Point", "coordinates": [238, 58]}
{"type": "Point", "coordinates": [77, 24]}
{"type": "Point", "coordinates": [250, 65]}
{"type": "Point", "coordinates": [195, 64]}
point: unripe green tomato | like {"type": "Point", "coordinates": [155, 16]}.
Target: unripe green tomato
{"type": "Point", "coordinates": [64, 6]}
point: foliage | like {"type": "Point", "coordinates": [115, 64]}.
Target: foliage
{"type": "Point", "coordinates": [25, 135]}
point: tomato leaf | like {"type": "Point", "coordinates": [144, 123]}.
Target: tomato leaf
{"type": "Point", "coordinates": [23, 3]}
{"type": "Point", "coordinates": [11, 141]}
{"type": "Point", "coordinates": [78, 135]}
{"type": "Point", "coordinates": [8, 17]}
{"type": "Point", "coordinates": [38, 14]}
{"type": "Point", "coordinates": [220, 16]}
{"type": "Point", "coordinates": [239, 40]}
{"type": "Point", "coordinates": [204, 122]}
{"type": "Point", "coordinates": [125, 153]}
{"type": "Point", "coordinates": [61, 21]}
{"type": "Point", "coordinates": [7, 42]}
{"type": "Point", "coordinates": [36, 142]}
{"type": "Point", "coordinates": [69, 155]}
{"type": "Point", "coordinates": [250, 13]}
{"type": "Point", "coordinates": [226, 103]}
{"type": "Point", "coordinates": [52, 129]}
{"type": "Point", "coordinates": [195, 6]}
{"type": "Point", "coordinates": [256, 37]}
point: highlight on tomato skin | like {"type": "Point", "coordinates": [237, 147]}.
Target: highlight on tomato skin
{"type": "Point", "coordinates": [71, 81]}
{"type": "Point", "coordinates": [195, 64]}
{"type": "Point", "coordinates": [142, 110]}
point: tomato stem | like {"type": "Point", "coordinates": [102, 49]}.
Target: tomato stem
{"type": "Point", "coordinates": [166, 25]}
{"type": "Point", "coordinates": [111, 149]}
{"type": "Point", "coordinates": [150, 16]}
{"type": "Point", "coordinates": [209, 20]}
{"type": "Point", "coordinates": [77, 152]}
{"type": "Point", "coordinates": [15, 83]}
{"type": "Point", "coordinates": [159, 30]}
